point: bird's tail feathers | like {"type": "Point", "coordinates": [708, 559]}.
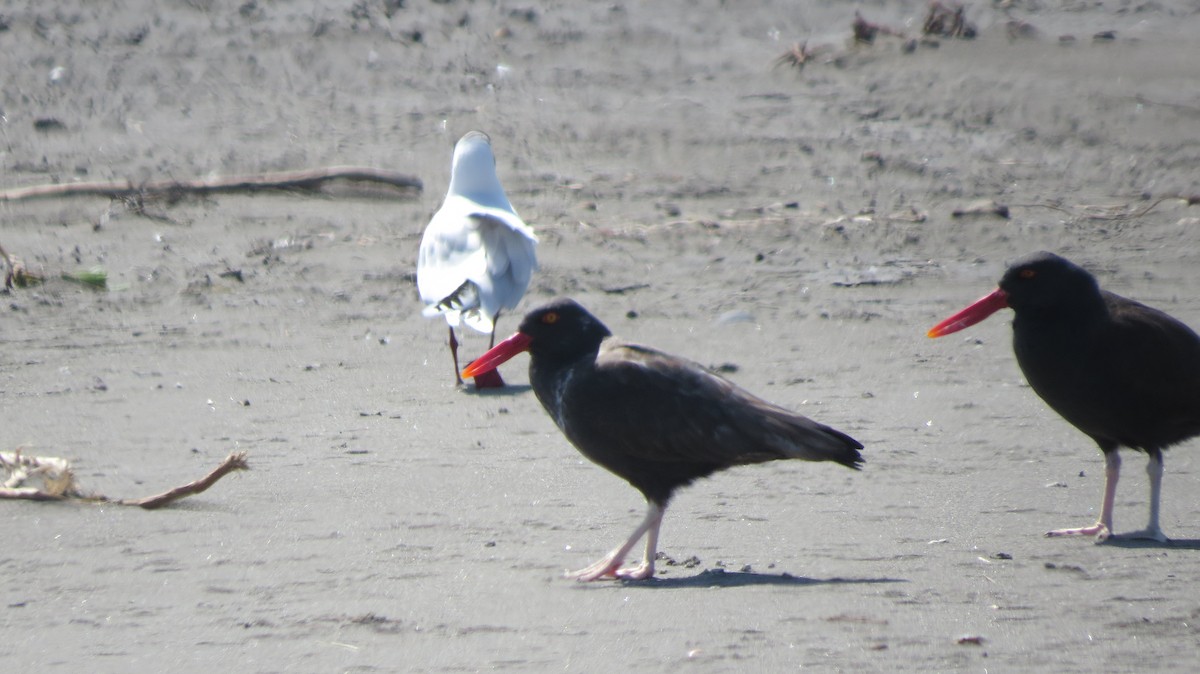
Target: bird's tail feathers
{"type": "Point", "coordinates": [847, 454]}
{"type": "Point", "coordinates": [479, 321]}
{"type": "Point", "coordinates": [464, 298]}
{"type": "Point", "coordinates": [463, 305]}
{"type": "Point", "coordinates": [803, 438]}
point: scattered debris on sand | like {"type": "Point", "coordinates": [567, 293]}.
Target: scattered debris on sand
{"type": "Point", "coordinates": [948, 20]}
{"type": "Point", "coordinates": [50, 478]}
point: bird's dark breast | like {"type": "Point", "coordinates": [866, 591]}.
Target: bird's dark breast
{"type": "Point", "coordinates": [657, 480]}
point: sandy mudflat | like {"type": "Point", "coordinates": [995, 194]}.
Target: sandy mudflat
{"type": "Point", "coordinates": [796, 226]}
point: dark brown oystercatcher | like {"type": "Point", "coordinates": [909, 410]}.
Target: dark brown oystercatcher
{"type": "Point", "coordinates": [656, 420]}
{"type": "Point", "coordinates": [1122, 372]}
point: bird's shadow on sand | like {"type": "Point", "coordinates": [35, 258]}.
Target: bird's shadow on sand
{"type": "Point", "coordinates": [1173, 544]}
{"type": "Point", "coordinates": [723, 578]}
{"type": "Point", "coordinates": [500, 392]}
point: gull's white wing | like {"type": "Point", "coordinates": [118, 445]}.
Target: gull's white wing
{"type": "Point", "coordinates": [474, 261]}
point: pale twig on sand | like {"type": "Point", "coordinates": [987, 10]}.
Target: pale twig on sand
{"type": "Point", "coordinates": [310, 180]}
{"type": "Point", "coordinates": [58, 481]}
{"type": "Point", "coordinates": [235, 461]}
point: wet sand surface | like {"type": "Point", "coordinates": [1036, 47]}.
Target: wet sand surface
{"type": "Point", "coordinates": [793, 228]}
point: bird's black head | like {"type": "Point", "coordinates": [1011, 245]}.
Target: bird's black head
{"type": "Point", "coordinates": [1045, 282]}
{"type": "Point", "coordinates": [563, 330]}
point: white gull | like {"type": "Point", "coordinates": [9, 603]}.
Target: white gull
{"type": "Point", "coordinates": [477, 254]}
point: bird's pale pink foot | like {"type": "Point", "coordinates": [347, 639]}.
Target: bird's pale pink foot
{"type": "Point", "coordinates": [640, 572]}
{"type": "Point", "coordinates": [1100, 530]}
{"type": "Point", "coordinates": [604, 568]}
{"type": "Point", "coordinates": [610, 565]}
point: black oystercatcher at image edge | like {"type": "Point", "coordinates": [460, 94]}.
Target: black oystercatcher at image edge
{"type": "Point", "coordinates": [656, 420]}
{"type": "Point", "coordinates": [1124, 373]}
{"type": "Point", "coordinates": [477, 255]}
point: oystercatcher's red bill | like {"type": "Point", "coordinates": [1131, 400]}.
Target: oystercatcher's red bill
{"type": "Point", "coordinates": [510, 347]}
{"type": "Point", "coordinates": [976, 312]}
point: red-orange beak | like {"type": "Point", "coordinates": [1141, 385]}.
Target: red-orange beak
{"type": "Point", "coordinates": [498, 354]}
{"type": "Point", "coordinates": [977, 311]}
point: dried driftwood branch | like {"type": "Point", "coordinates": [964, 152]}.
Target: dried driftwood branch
{"type": "Point", "coordinates": [235, 461]}
{"type": "Point", "coordinates": [58, 481]}
{"type": "Point", "coordinates": [310, 180]}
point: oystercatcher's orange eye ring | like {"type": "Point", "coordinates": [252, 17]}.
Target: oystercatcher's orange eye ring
{"type": "Point", "coordinates": [1027, 273]}
{"type": "Point", "coordinates": [550, 318]}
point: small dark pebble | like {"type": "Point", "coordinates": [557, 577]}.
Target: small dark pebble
{"type": "Point", "coordinates": [1001, 555]}
{"type": "Point", "coordinates": [48, 124]}
{"type": "Point", "coordinates": [1065, 567]}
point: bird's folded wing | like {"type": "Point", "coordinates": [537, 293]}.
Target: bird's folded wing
{"type": "Point", "coordinates": [506, 218]}
{"type": "Point", "coordinates": [451, 253]}
{"type": "Point", "coordinates": [475, 259]}
{"type": "Point", "coordinates": [682, 412]}
{"type": "Point", "coordinates": [1165, 388]}
{"type": "Point", "coordinates": [511, 255]}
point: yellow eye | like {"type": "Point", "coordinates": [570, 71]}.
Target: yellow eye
{"type": "Point", "coordinates": [550, 318]}
{"type": "Point", "coordinates": [1027, 273]}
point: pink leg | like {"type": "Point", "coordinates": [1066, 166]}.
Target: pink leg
{"type": "Point", "coordinates": [610, 565]}
{"type": "Point", "coordinates": [1154, 470]}
{"type": "Point", "coordinates": [454, 356]}
{"type": "Point", "coordinates": [1102, 529]}
{"type": "Point", "coordinates": [492, 340]}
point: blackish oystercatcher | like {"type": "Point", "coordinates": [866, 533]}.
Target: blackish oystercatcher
{"type": "Point", "coordinates": [477, 254]}
{"type": "Point", "coordinates": [1122, 372]}
{"type": "Point", "coordinates": [656, 420]}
